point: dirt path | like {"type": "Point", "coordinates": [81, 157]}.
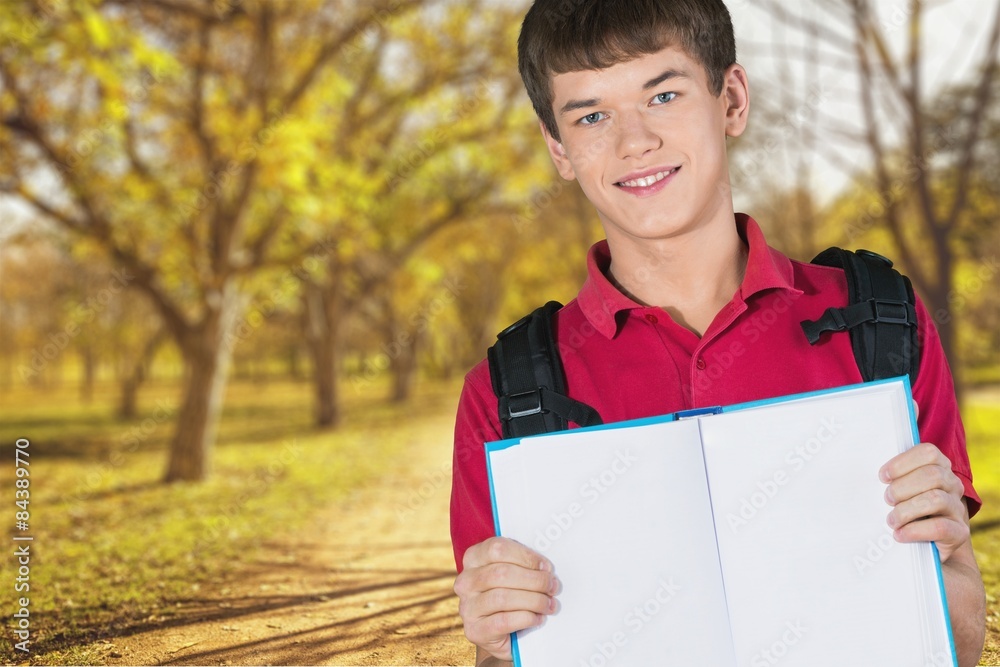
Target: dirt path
{"type": "Point", "coordinates": [372, 585]}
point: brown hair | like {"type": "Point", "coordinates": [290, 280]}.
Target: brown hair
{"type": "Point", "coordinates": [560, 36]}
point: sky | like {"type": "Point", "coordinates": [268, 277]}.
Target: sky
{"type": "Point", "coordinates": [955, 39]}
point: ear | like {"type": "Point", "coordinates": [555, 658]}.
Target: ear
{"type": "Point", "coordinates": [558, 154]}
{"type": "Point", "coordinates": [736, 96]}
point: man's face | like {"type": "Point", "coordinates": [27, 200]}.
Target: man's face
{"type": "Point", "coordinates": [647, 141]}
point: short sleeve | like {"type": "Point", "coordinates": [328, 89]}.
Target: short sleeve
{"type": "Point", "coordinates": [476, 423]}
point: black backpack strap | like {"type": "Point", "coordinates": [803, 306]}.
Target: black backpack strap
{"type": "Point", "coordinates": [528, 379]}
{"type": "Point", "coordinates": [880, 314]}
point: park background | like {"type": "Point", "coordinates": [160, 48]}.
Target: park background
{"type": "Point", "coordinates": [248, 250]}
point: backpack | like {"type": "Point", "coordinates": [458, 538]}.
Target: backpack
{"type": "Point", "coordinates": [880, 315]}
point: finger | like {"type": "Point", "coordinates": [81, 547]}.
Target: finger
{"type": "Point", "coordinates": [504, 550]}
{"type": "Point", "coordinates": [504, 575]}
{"type": "Point", "coordinates": [921, 480]}
{"type": "Point", "coordinates": [493, 632]}
{"type": "Point", "coordinates": [948, 535]}
{"type": "Point", "coordinates": [920, 455]}
{"type": "Point", "coordinates": [916, 409]}
{"type": "Point", "coordinates": [499, 600]}
{"type": "Point", "coordinates": [933, 503]}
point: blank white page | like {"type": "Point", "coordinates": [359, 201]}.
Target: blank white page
{"type": "Point", "coordinates": [624, 516]}
{"type": "Point", "coordinates": [812, 573]}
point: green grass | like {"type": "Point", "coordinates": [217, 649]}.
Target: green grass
{"type": "Point", "coordinates": [982, 424]}
{"type": "Point", "coordinates": [982, 376]}
{"type": "Point", "coordinates": [114, 548]}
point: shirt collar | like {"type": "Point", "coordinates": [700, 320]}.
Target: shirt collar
{"type": "Point", "coordinates": [766, 267]}
{"type": "Point", "coordinates": [602, 303]}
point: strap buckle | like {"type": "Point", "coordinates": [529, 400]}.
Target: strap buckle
{"type": "Point", "coordinates": [891, 312]}
{"type": "Point", "coordinates": [524, 404]}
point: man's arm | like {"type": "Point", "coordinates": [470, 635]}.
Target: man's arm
{"type": "Point", "coordinates": [928, 506]}
{"type": "Point", "coordinates": [967, 604]}
{"type": "Point", "coordinates": [484, 659]}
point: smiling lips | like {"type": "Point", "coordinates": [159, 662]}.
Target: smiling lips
{"type": "Point", "coordinates": [647, 184]}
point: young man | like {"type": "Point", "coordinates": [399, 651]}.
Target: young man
{"type": "Point", "coordinates": [684, 305]}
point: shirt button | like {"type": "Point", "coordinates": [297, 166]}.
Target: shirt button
{"type": "Point", "coordinates": [651, 318]}
{"type": "Point", "coordinates": [700, 365]}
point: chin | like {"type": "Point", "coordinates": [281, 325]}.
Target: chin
{"type": "Point", "coordinates": [656, 227]}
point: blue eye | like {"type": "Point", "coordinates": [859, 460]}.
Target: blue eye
{"type": "Point", "coordinates": [591, 118]}
{"type": "Point", "coordinates": [663, 98]}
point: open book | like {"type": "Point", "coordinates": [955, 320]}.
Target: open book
{"type": "Point", "coordinates": [752, 535]}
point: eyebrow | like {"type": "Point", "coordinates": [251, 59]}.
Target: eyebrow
{"type": "Point", "coordinates": [573, 105]}
{"type": "Point", "coordinates": [665, 76]}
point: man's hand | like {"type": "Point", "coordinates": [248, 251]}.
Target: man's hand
{"type": "Point", "coordinates": [504, 587]}
{"type": "Point", "coordinates": [926, 499]}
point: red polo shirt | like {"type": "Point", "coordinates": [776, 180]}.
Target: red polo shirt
{"type": "Point", "coordinates": [630, 361]}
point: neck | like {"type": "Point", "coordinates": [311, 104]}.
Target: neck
{"type": "Point", "coordinates": [691, 276]}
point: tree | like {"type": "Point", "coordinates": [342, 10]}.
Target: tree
{"type": "Point", "coordinates": [921, 213]}
{"type": "Point", "coordinates": [175, 136]}
{"type": "Point", "coordinates": [420, 153]}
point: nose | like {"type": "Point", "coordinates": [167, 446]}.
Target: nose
{"type": "Point", "coordinates": [635, 138]}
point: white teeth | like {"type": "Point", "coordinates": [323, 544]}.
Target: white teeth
{"type": "Point", "coordinates": [648, 180]}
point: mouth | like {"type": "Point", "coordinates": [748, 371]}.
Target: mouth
{"type": "Point", "coordinates": [647, 182]}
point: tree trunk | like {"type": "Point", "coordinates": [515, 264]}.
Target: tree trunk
{"type": "Point", "coordinates": [944, 315]}
{"type": "Point", "coordinates": [946, 330]}
{"type": "Point", "coordinates": [404, 367]}
{"type": "Point", "coordinates": [207, 352]}
{"type": "Point", "coordinates": [294, 369]}
{"type": "Point", "coordinates": [322, 333]}
{"type": "Point", "coordinates": [128, 398]}
{"type": "Point", "coordinates": [87, 381]}
{"type": "Point", "coordinates": [325, 384]}
{"type": "Point", "coordinates": [137, 375]}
